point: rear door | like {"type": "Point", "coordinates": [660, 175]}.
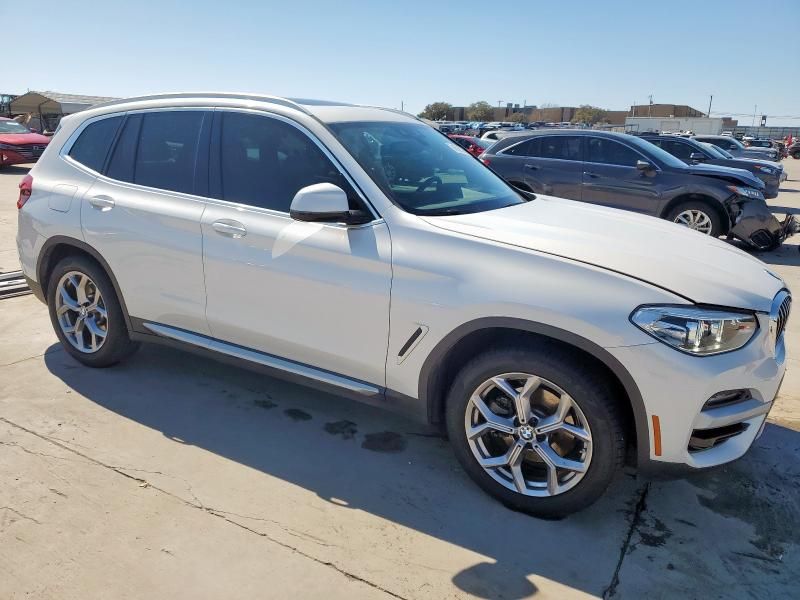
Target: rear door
{"type": "Point", "coordinates": [549, 164]}
{"type": "Point", "coordinates": [610, 177]}
{"type": "Point", "coordinates": [143, 215]}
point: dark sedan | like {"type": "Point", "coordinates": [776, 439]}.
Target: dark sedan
{"type": "Point", "coordinates": [692, 152]}
{"type": "Point", "coordinates": [624, 171]}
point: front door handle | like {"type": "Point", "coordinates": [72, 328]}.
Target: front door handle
{"type": "Point", "coordinates": [592, 175]}
{"type": "Point", "coordinates": [230, 228]}
{"type": "Point", "coordinates": [532, 167]}
{"type": "Point", "coordinates": [102, 203]}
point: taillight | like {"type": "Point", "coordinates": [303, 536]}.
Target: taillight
{"type": "Point", "coordinates": [25, 189]}
{"type": "Point", "coordinates": [485, 161]}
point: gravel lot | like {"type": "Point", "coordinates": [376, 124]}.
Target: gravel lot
{"type": "Point", "coordinates": [172, 476]}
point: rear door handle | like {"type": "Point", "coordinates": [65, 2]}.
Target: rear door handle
{"type": "Point", "coordinates": [532, 167]}
{"type": "Point", "coordinates": [230, 228]}
{"type": "Point", "coordinates": [102, 203]}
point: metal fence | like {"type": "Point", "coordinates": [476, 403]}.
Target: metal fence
{"type": "Point", "coordinates": [767, 133]}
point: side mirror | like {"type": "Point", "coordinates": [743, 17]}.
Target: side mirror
{"type": "Point", "coordinates": [325, 203]}
{"type": "Point", "coordinates": [645, 166]}
{"type": "Point", "coordinates": [34, 130]}
{"type": "Point", "coordinates": [697, 157]}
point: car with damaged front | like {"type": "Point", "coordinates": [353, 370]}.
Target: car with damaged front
{"type": "Point", "coordinates": [551, 339]}
{"type": "Point", "coordinates": [626, 171]}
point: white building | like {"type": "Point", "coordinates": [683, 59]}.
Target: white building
{"type": "Point", "coordinates": [699, 125]}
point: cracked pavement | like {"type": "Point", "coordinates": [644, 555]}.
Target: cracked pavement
{"type": "Point", "coordinates": [172, 476]}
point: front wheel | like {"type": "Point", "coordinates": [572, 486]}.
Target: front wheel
{"type": "Point", "coordinates": [535, 428]}
{"type": "Point", "coordinates": [697, 215]}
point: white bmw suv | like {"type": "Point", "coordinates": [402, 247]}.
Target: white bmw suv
{"type": "Point", "coordinates": [358, 250]}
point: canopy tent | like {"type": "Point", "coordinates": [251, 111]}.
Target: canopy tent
{"type": "Point", "coordinates": [43, 110]}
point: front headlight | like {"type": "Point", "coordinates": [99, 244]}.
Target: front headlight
{"type": "Point", "coordinates": [766, 170]}
{"type": "Point", "coordinates": [697, 331]}
{"type": "Point", "coordinates": [746, 192]}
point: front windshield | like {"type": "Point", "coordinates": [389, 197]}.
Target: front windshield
{"type": "Point", "coordinates": [422, 171]}
{"type": "Point", "coordinates": [659, 153]}
{"type": "Point", "coordinates": [12, 127]}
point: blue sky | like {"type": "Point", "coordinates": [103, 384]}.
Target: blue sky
{"type": "Point", "coordinates": [609, 54]}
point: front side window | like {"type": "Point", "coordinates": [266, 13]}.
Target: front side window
{"type": "Point", "coordinates": [265, 161]}
{"type": "Point", "coordinates": [562, 147]}
{"type": "Point", "coordinates": [610, 152]}
{"type": "Point", "coordinates": [91, 147]}
{"type": "Point", "coordinates": [422, 171]}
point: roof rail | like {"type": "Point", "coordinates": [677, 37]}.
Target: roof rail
{"type": "Point", "coordinates": [233, 95]}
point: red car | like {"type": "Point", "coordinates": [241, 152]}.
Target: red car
{"type": "Point", "coordinates": [474, 145]}
{"type": "Point", "coordinates": [18, 144]}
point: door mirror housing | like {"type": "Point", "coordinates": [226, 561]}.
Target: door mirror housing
{"type": "Point", "coordinates": [645, 166]}
{"type": "Point", "coordinates": [697, 157]}
{"type": "Point", "coordinates": [325, 203]}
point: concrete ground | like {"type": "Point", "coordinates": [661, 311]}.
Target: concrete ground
{"type": "Point", "coordinates": [172, 476]}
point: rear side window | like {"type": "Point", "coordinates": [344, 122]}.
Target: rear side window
{"type": "Point", "coordinates": [91, 147]}
{"type": "Point", "coordinates": [527, 148]}
{"type": "Point", "coordinates": [167, 150]}
{"type": "Point", "coordinates": [610, 152]}
{"type": "Point", "coordinates": [158, 150]}
{"type": "Point", "coordinates": [264, 162]}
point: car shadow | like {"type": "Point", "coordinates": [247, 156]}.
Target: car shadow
{"type": "Point", "coordinates": [361, 458]}
{"type": "Point", "coordinates": [16, 169]}
{"type": "Point", "coordinates": [365, 459]}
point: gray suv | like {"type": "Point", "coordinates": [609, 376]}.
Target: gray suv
{"type": "Point", "coordinates": [624, 171]}
{"type": "Point", "coordinates": [737, 148]}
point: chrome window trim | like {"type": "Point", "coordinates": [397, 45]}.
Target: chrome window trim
{"type": "Point", "coordinates": [324, 149]}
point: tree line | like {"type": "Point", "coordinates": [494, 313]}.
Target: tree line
{"type": "Point", "coordinates": [483, 111]}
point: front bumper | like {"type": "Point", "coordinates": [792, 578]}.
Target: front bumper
{"type": "Point", "coordinates": [11, 157]}
{"type": "Point", "coordinates": [675, 388]}
{"type": "Point", "coordinates": [754, 224]}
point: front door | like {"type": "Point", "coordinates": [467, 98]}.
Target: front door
{"type": "Point", "coordinates": [313, 293]}
{"type": "Point", "coordinates": [611, 178]}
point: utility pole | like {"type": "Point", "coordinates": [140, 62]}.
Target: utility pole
{"type": "Point", "coordinates": [401, 106]}
{"type": "Point", "coordinates": [755, 110]}
{"type": "Point", "coordinates": [650, 107]}
{"type": "Point", "coordinates": [710, 98]}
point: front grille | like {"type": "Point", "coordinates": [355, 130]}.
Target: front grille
{"type": "Point", "coordinates": [29, 150]}
{"type": "Point", "coordinates": [783, 316]}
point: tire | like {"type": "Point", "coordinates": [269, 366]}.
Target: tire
{"type": "Point", "coordinates": [597, 413]}
{"type": "Point", "coordinates": [704, 210]}
{"type": "Point", "coordinates": [100, 314]}
{"type": "Point", "coordinates": [796, 155]}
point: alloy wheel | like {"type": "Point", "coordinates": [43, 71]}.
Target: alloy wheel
{"type": "Point", "coordinates": [81, 312]}
{"type": "Point", "coordinates": [695, 219]}
{"type": "Point", "coordinates": [528, 434]}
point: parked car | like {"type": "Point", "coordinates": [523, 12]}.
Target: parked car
{"type": "Point", "coordinates": [794, 150]}
{"type": "Point", "coordinates": [755, 143]}
{"type": "Point", "coordinates": [18, 144]}
{"type": "Point", "coordinates": [546, 336]}
{"type": "Point", "coordinates": [474, 145]}
{"type": "Point", "coordinates": [737, 149]}
{"type": "Point", "coordinates": [625, 171]}
{"type": "Point", "coordinates": [498, 134]}
{"type": "Point", "coordinates": [766, 163]}
{"type": "Point", "coordinates": [693, 152]}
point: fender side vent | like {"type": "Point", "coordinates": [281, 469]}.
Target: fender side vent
{"type": "Point", "coordinates": [409, 342]}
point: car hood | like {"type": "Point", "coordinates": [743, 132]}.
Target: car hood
{"type": "Point", "coordinates": [24, 138]}
{"type": "Point", "coordinates": [727, 173]}
{"type": "Point", "coordinates": [699, 268]}
{"type": "Point", "coordinates": [759, 162]}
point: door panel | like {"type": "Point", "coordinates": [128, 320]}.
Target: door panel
{"type": "Point", "coordinates": [152, 242]}
{"type": "Point", "coordinates": [310, 292]}
{"type": "Point", "coordinates": [553, 166]}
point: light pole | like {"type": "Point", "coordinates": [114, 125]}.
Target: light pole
{"type": "Point", "coordinates": [710, 98]}
{"type": "Point", "coordinates": [755, 110]}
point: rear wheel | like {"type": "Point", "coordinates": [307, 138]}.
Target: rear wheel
{"type": "Point", "coordinates": [536, 428]}
{"type": "Point", "coordinates": [796, 154]}
{"type": "Point", "coordinates": [697, 215]}
{"type": "Point", "coordinates": [86, 313]}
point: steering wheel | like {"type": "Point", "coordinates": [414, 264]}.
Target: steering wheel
{"type": "Point", "coordinates": [427, 182]}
